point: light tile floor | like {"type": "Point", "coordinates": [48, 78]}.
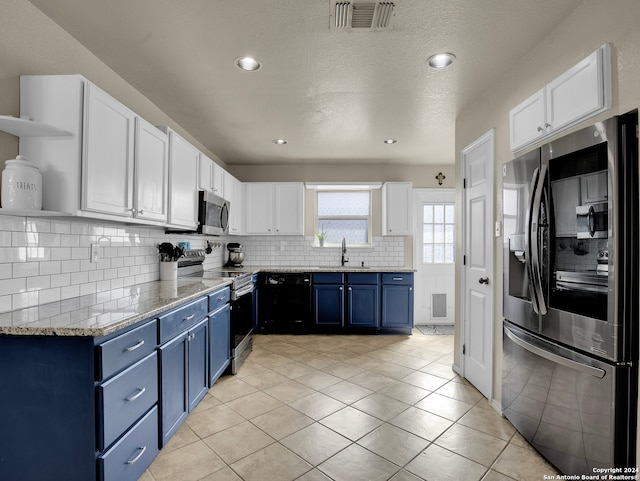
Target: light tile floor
{"type": "Point", "coordinates": [347, 408]}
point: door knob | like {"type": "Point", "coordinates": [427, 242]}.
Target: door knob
{"type": "Point", "coordinates": [484, 280]}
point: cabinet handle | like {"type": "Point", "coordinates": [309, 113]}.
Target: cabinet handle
{"type": "Point", "coordinates": [350, 289]}
{"type": "Point", "coordinates": [411, 288]}
{"type": "Point", "coordinates": [397, 278]}
{"type": "Point", "coordinates": [547, 124]}
{"type": "Point", "coordinates": [136, 458]}
{"type": "Point", "coordinates": [136, 395]}
{"type": "Point", "coordinates": [341, 289]}
{"type": "Point", "coordinates": [540, 129]}
{"type": "Point", "coordinates": [134, 347]}
{"type": "Point", "coordinates": [141, 212]}
{"type": "Point", "coordinates": [188, 318]}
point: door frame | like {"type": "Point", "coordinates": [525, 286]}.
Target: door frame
{"type": "Point", "coordinates": [433, 195]}
{"type": "Point", "coordinates": [489, 137]}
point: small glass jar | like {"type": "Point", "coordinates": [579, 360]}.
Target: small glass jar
{"type": "Point", "coordinates": [21, 185]}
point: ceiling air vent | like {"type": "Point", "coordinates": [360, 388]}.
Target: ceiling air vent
{"type": "Point", "coordinates": [363, 15]}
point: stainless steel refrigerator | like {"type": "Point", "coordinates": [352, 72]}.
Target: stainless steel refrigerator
{"type": "Point", "coordinates": [570, 304]}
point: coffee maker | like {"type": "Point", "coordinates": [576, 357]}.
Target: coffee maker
{"type": "Point", "coordinates": [236, 254]}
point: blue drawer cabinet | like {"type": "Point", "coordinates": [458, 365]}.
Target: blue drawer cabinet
{"type": "Point", "coordinates": [127, 459]}
{"type": "Point", "coordinates": [182, 318]}
{"type": "Point", "coordinates": [397, 301]}
{"type": "Point", "coordinates": [125, 349]}
{"type": "Point", "coordinates": [125, 397]}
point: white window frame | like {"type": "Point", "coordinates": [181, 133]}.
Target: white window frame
{"type": "Point", "coordinates": [444, 223]}
{"type": "Point", "coordinates": [368, 218]}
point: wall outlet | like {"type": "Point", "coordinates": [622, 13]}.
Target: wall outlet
{"type": "Point", "coordinates": [95, 252]}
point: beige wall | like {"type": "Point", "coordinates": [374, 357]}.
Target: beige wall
{"type": "Point", "coordinates": [589, 26]}
{"type": "Point", "coordinates": [420, 175]}
{"type": "Point", "coordinates": [31, 43]}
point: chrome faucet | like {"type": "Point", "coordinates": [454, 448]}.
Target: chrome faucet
{"type": "Point", "coordinates": [344, 260]}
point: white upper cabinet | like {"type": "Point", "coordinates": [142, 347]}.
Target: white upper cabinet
{"type": "Point", "coordinates": [151, 172]}
{"type": "Point", "coordinates": [289, 208]}
{"type": "Point", "coordinates": [275, 208]}
{"type": "Point", "coordinates": [527, 121]}
{"type": "Point", "coordinates": [396, 208]}
{"type": "Point", "coordinates": [205, 173]}
{"type": "Point", "coordinates": [218, 175]}
{"type": "Point", "coordinates": [579, 93]}
{"type": "Point", "coordinates": [259, 207]}
{"type": "Point", "coordinates": [210, 176]}
{"type": "Point", "coordinates": [233, 194]}
{"type": "Point", "coordinates": [107, 158]}
{"type": "Point", "coordinates": [183, 182]}
{"type": "Point", "coordinates": [90, 172]}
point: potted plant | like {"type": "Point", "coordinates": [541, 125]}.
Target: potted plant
{"type": "Point", "coordinates": [322, 235]}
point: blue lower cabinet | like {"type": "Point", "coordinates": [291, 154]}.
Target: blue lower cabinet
{"type": "Point", "coordinates": [397, 301]}
{"type": "Point", "coordinates": [184, 377]}
{"type": "Point", "coordinates": [198, 364]}
{"type": "Point", "coordinates": [328, 305]}
{"type": "Point", "coordinates": [125, 397]}
{"type": "Point", "coordinates": [174, 405]}
{"type": "Point", "coordinates": [397, 307]}
{"type": "Point", "coordinates": [219, 342]}
{"type": "Point", "coordinates": [363, 306]}
{"type": "Point", "coordinates": [127, 459]}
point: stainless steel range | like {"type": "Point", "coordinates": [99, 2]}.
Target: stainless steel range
{"type": "Point", "coordinates": [243, 301]}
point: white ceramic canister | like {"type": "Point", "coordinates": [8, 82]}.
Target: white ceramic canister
{"type": "Point", "coordinates": [21, 185]}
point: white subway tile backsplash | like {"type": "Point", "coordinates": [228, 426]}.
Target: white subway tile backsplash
{"type": "Point", "coordinates": [12, 286]}
{"type": "Point", "coordinates": [60, 280]}
{"type": "Point", "coordinates": [48, 260]}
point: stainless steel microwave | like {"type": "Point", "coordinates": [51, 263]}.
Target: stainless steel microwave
{"type": "Point", "coordinates": [213, 214]}
{"type": "Point", "coordinates": [592, 221]}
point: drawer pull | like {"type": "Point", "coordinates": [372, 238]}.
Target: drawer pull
{"type": "Point", "coordinates": [134, 347]}
{"type": "Point", "coordinates": [135, 459]}
{"type": "Point", "coordinates": [136, 395]}
{"type": "Point", "coordinates": [189, 317]}
{"type": "Point", "coordinates": [397, 278]}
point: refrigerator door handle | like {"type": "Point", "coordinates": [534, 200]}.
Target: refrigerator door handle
{"type": "Point", "coordinates": [563, 361]}
{"type": "Point", "coordinates": [537, 187]}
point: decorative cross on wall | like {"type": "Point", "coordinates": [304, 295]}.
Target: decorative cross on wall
{"type": "Point", "coordinates": [440, 177]}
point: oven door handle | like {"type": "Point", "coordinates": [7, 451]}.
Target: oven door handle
{"type": "Point", "coordinates": [243, 291]}
{"type": "Point", "coordinates": [563, 361]}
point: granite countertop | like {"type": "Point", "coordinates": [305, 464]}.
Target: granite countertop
{"type": "Point", "coordinates": [106, 312]}
{"type": "Point", "coordinates": [295, 269]}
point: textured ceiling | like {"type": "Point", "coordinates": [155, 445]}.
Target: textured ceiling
{"type": "Point", "coordinates": [334, 95]}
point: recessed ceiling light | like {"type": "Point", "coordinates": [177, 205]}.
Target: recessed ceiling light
{"type": "Point", "coordinates": [279, 141]}
{"type": "Point", "coordinates": [441, 60]}
{"type": "Point", "coordinates": [390, 141]}
{"type": "Point", "coordinates": [249, 64]}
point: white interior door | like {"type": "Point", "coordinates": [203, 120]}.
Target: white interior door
{"type": "Point", "coordinates": [477, 329]}
{"type": "Point", "coordinates": [434, 282]}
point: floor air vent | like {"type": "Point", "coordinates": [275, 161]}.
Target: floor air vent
{"type": "Point", "coordinates": [363, 15]}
